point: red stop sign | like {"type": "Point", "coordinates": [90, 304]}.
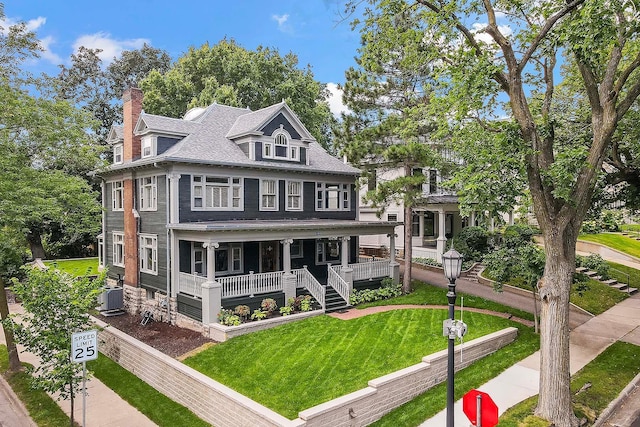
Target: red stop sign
{"type": "Point", "coordinates": [488, 408]}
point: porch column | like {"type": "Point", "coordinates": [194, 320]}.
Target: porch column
{"type": "Point", "coordinates": [492, 224]}
{"type": "Point", "coordinates": [289, 283]}
{"type": "Point", "coordinates": [394, 267]}
{"type": "Point", "coordinates": [346, 271]}
{"type": "Point", "coordinates": [286, 255]}
{"type": "Point", "coordinates": [441, 241]}
{"type": "Point", "coordinates": [510, 217]}
{"type": "Point", "coordinates": [472, 219]}
{"type": "Point", "coordinates": [211, 290]}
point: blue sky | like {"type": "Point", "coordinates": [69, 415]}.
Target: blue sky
{"type": "Point", "coordinates": [312, 29]}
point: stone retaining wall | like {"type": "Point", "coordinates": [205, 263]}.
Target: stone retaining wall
{"type": "Point", "coordinates": [222, 406]}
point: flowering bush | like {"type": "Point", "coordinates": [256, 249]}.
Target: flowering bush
{"type": "Point", "coordinates": [243, 311]}
{"type": "Point", "coordinates": [369, 295]}
{"type": "Point", "coordinates": [269, 305]}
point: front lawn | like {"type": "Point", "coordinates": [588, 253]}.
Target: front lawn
{"type": "Point", "coordinates": [621, 274]}
{"type": "Point", "coordinates": [302, 364]}
{"type": "Point", "coordinates": [631, 227]}
{"type": "Point", "coordinates": [597, 298]}
{"type": "Point", "coordinates": [75, 267]}
{"type": "Point", "coordinates": [615, 241]}
{"type": "Point", "coordinates": [609, 373]}
{"type": "Point", "coordinates": [426, 294]}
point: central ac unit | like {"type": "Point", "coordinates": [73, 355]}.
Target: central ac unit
{"type": "Point", "coordinates": [111, 299]}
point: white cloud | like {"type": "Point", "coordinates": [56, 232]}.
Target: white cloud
{"type": "Point", "coordinates": [335, 100]}
{"type": "Point", "coordinates": [31, 25]}
{"type": "Point", "coordinates": [480, 35]}
{"type": "Point", "coordinates": [47, 53]}
{"type": "Point", "coordinates": [111, 48]}
{"type": "Point", "coordinates": [283, 24]}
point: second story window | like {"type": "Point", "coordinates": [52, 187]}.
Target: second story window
{"type": "Point", "coordinates": [294, 195]}
{"type": "Point", "coordinates": [117, 196]}
{"type": "Point", "coordinates": [148, 194]}
{"type": "Point", "coordinates": [332, 197]}
{"type": "Point", "coordinates": [433, 181]}
{"type": "Point", "coordinates": [118, 154]}
{"type": "Point", "coordinates": [269, 195]}
{"type": "Point", "coordinates": [148, 148]}
{"type": "Point", "coordinates": [149, 253]}
{"type": "Point", "coordinates": [216, 193]}
{"type": "Point", "coordinates": [280, 147]}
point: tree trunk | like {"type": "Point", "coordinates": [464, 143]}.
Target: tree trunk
{"type": "Point", "coordinates": [35, 244]}
{"type": "Point", "coordinates": [554, 288]}
{"type": "Point", "coordinates": [14, 359]}
{"type": "Point", "coordinates": [408, 250]}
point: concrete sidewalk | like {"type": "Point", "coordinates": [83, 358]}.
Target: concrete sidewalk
{"type": "Point", "coordinates": [104, 407]}
{"type": "Point", "coordinates": [621, 322]}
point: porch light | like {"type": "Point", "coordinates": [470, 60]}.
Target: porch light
{"type": "Point", "coordinates": [452, 264]}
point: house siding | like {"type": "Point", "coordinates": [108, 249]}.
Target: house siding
{"type": "Point", "coordinates": [114, 221]}
{"type": "Point", "coordinates": [274, 124]}
{"type": "Point", "coordinates": [155, 222]}
{"type": "Point", "coordinates": [163, 143]}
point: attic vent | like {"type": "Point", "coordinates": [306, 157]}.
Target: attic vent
{"type": "Point", "coordinates": [194, 114]}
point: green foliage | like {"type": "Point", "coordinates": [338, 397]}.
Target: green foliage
{"type": "Point", "coordinates": [472, 243]}
{"type": "Point", "coordinates": [607, 221]}
{"type": "Point", "coordinates": [243, 311]}
{"type": "Point", "coordinates": [228, 318]}
{"type": "Point", "coordinates": [388, 290]}
{"type": "Point", "coordinates": [55, 306]}
{"type": "Point", "coordinates": [269, 305]}
{"type": "Point", "coordinates": [229, 74]}
{"type": "Point", "coordinates": [306, 304]}
{"type": "Point", "coordinates": [258, 315]}
{"type": "Point", "coordinates": [286, 310]}
{"type": "Point", "coordinates": [517, 235]}
{"type": "Point", "coordinates": [12, 256]}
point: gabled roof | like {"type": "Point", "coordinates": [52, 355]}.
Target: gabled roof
{"type": "Point", "coordinates": [167, 125]}
{"type": "Point", "coordinates": [252, 122]}
{"type": "Point", "coordinates": [116, 134]}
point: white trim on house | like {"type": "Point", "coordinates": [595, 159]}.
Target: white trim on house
{"type": "Point", "coordinates": [148, 193]}
{"type": "Point", "coordinates": [117, 196]}
{"type": "Point", "coordinates": [294, 195]}
{"type": "Point", "coordinates": [269, 194]}
{"type": "Point", "coordinates": [148, 245]}
{"type": "Point", "coordinates": [331, 196]}
{"type": "Point", "coordinates": [117, 253]}
{"type": "Point", "coordinates": [217, 193]}
{"type": "Point", "coordinates": [118, 153]}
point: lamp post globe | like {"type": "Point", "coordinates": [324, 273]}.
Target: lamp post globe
{"type": "Point", "coordinates": [452, 265]}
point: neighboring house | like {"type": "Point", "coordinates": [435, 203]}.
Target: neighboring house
{"type": "Point", "coordinates": [226, 206]}
{"type": "Point", "coordinates": [436, 217]}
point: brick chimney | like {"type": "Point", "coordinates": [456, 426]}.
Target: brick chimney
{"type": "Point", "coordinates": [132, 107]}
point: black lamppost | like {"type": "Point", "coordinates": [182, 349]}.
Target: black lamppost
{"type": "Point", "coordinates": [452, 265]}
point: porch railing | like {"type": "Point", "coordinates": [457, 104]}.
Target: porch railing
{"type": "Point", "coordinates": [367, 268]}
{"type": "Point", "coordinates": [250, 284]}
{"type": "Point", "coordinates": [306, 280]}
{"type": "Point", "coordinates": [336, 282]}
{"type": "Point", "coordinates": [191, 284]}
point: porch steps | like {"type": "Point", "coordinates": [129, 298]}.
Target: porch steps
{"type": "Point", "coordinates": [333, 301]}
{"type": "Point", "coordinates": [622, 287]}
{"type": "Point", "coordinates": [472, 274]}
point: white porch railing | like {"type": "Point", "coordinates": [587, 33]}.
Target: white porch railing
{"type": "Point", "coordinates": [420, 252]}
{"type": "Point", "coordinates": [336, 282]}
{"type": "Point", "coordinates": [191, 284]}
{"type": "Point", "coordinates": [250, 284]}
{"type": "Point", "coordinates": [367, 268]}
{"type": "Point", "coordinates": [304, 279]}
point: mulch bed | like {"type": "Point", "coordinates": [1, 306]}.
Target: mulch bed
{"type": "Point", "coordinates": [169, 339]}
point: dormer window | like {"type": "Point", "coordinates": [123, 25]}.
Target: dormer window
{"type": "Point", "coordinates": [118, 154]}
{"type": "Point", "coordinates": [148, 148]}
{"type": "Point", "coordinates": [281, 147]}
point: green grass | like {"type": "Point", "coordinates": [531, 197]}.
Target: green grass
{"type": "Point", "coordinates": [75, 267]}
{"type": "Point", "coordinates": [44, 411]}
{"type": "Point", "coordinates": [615, 241]}
{"type": "Point", "coordinates": [609, 373]}
{"type": "Point", "coordinates": [428, 404]}
{"type": "Point", "coordinates": [155, 405]}
{"type": "Point", "coordinates": [426, 294]}
{"type": "Point", "coordinates": [299, 365]}
{"type": "Point", "coordinates": [634, 275]}
{"type": "Point", "coordinates": [631, 227]}
{"type": "Point", "coordinates": [597, 298]}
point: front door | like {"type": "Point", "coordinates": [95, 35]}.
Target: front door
{"type": "Point", "coordinates": [269, 256]}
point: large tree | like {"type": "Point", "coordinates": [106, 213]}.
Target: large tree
{"type": "Point", "coordinates": [229, 74]}
{"type": "Point", "coordinates": [386, 131]}
{"type": "Point", "coordinates": [488, 51]}
{"type": "Point", "coordinates": [44, 151]}
{"type": "Point", "coordinates": [90, 84]}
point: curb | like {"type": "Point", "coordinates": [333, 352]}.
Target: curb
{"type": "Point", "coordinates": [16, 404]}
{"type": "Point", "coordinates": [617, 402]}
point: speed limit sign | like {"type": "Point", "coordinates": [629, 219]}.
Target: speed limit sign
{"type": "Point", "coordinates": [84, 346]}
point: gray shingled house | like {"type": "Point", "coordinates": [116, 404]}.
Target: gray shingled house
{"type": "Point", "coordinates": [228, 206]}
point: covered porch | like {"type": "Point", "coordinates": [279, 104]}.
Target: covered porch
{"type": "Point", "coordinates": [220, 263]}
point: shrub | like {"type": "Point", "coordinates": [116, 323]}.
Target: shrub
{"type": "Point", "coordinates": [517, 235]}
{"type": "Point", "coordinates": [427, 261]}
{"type": "Point", "coordinates": [390, 290]}
{"type": "Point", "coordinates": [472, 242]}
{"type": "Point", "coordinates": [243, 311]}
{"type": "Point", "coordinates": [306, 303]}
{"type": "Point", "coordinates": [286, 310]}
{"type": "Point", "coordinates": [258, 315]}
{"type": "Point", "coordinates": [269, 305]}
{"type": "Point", "coordinates": [228, 318]}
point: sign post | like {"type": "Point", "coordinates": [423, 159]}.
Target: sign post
{"type": "Point", "coordinates": [84, 346]}
{"type": "Point", "coordinates": [480, 409]}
